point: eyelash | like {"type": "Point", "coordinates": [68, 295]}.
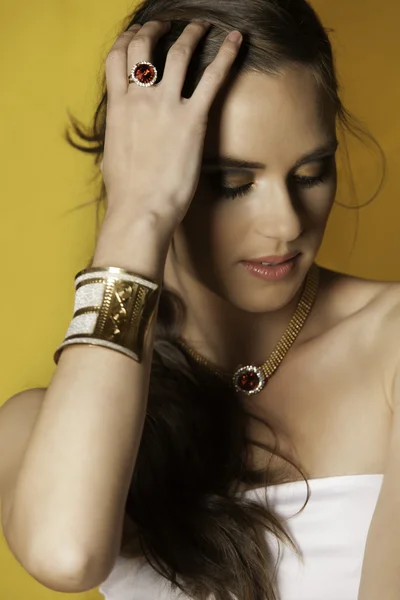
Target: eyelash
{"type": "Point", "coordinates": [235, 192]}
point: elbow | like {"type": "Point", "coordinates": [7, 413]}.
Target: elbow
{"type": "Point", "coordinates": [68, 574]}
{"type": "Point", "coordinates": [61, 570]}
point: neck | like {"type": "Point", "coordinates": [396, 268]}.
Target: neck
{"type": "Point", "coordinates": [223, 333]}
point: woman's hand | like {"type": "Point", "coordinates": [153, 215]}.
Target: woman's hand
{"type": "Point", "coordinates": [154, 138]}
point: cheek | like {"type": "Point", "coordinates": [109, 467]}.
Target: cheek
{"type": "Point", "coordinates": [212, 225]}
{"type": "Point", "coordinates": [230, 227]}
{"type": "Point", "coordinates": [317, 203]}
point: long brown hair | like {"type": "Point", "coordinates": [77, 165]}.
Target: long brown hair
{"type": "Point", "coordinates": [191, 524]}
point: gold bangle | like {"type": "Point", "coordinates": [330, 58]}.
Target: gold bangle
{"type": "Point", "coordinates": [113, 308]}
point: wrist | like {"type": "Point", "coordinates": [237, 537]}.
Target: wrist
{"type": "Point", "coordinates": [138, 246]}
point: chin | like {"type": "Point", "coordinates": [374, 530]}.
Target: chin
{"type": "Point", "coordinates": [270, 302]}
{"type": "Point", "coordinates": [254, 295]}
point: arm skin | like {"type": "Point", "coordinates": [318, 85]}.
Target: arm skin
{"type": "Point", "coordinates": [380, 578]}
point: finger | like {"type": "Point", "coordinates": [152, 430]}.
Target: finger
{"type": "Point", "coordinates": [179, 57]}
{"type": "Point", "coordinates": [141, 45]}
{"type": "Point", "coordinates": [116, 63]}
{"type": "Point", "coordinates": [215, 74]}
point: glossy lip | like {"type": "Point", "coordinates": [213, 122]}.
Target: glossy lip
{"type": "Point", "coordinates": [273, 259]}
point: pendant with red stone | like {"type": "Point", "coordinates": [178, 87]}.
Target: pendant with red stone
{"type": "Point", "coordinates": [143, 73]}
{"type": "Point", "coordinates": [249, 380]}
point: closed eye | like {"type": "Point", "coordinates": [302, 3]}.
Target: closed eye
{"type": "Point", "coordinates": [304, 181]}
{"type": "Point", "coordinates": [236, 192]}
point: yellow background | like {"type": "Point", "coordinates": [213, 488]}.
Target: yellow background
{"type": "Point", "coordinates": [51, 55]}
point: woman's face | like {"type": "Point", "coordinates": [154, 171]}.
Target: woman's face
{"type": "Point", "coordinates": [279, 206]}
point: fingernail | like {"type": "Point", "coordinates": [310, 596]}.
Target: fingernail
{"type": "Point", "coordinates": [202, 22]}
{"type": "Point", "coordinates": [235, 36]}
{"type": "Point", "coordinates": [135, 27]}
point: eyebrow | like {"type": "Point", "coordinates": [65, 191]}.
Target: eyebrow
{"type": "Point", "coordinates": [228, 162]}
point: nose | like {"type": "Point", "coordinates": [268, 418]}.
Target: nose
{"type": "Point", "coordinates": [279, 215]}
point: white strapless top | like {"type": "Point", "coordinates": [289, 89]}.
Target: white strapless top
{"type": "Point", "coordinates": [331, 533]}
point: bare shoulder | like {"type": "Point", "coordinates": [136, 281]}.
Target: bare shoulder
{"type": "Point", "coordinates": [18, 414]}
{"type": "Point", "coordinates": [17, 419]}
{"type": "Point", "coordinates": [349, 294]}
{"type": "Point", "coordinates": [374, 306]}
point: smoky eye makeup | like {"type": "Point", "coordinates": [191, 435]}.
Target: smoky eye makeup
{"type": "Point", "coordinates": [228, 183]}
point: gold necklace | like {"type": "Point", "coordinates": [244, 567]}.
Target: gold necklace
{"type": "Point", "coordinates": [250, 379]}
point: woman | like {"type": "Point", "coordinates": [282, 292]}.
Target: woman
{"type": "Point", "coordinates": [185, 441]}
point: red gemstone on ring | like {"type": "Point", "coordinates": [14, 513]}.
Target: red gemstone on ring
{"type": "Point", "coordinates": [144, 73]}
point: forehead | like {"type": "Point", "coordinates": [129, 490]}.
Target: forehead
{"type": "Point", "coordinates": [262, 114]}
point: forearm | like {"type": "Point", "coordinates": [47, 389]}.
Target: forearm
{"type": "Point", "coordinates": [71, 490]}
